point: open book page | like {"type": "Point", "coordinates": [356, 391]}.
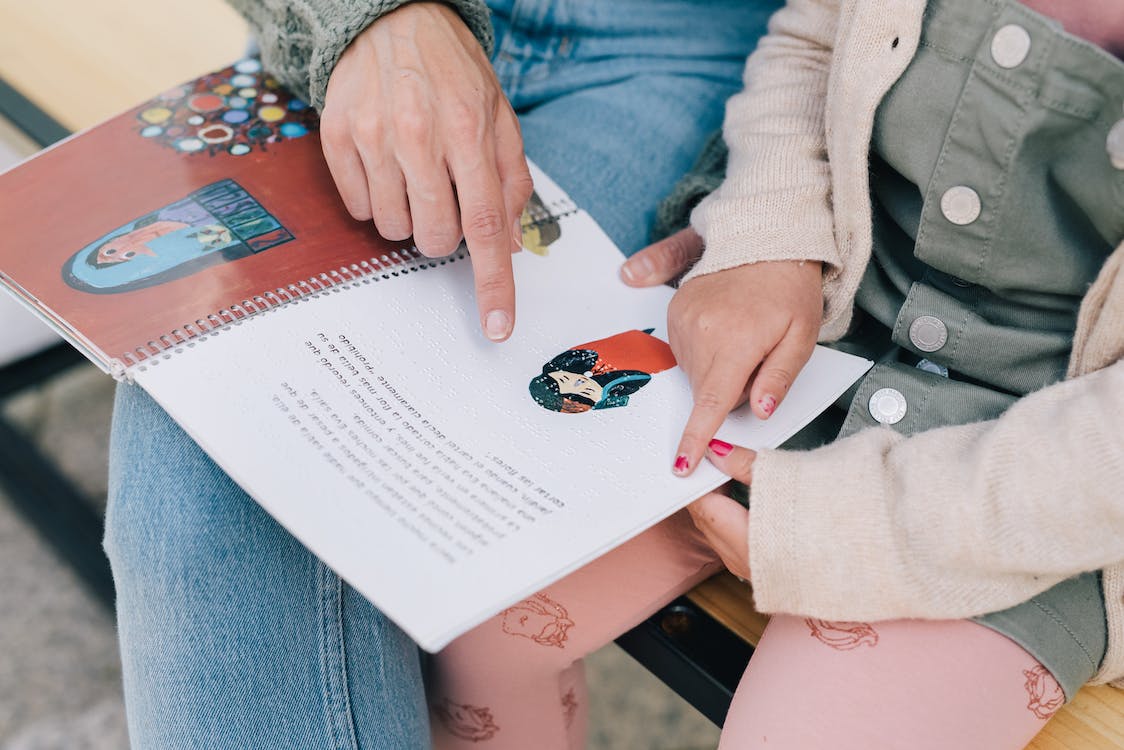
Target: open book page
{"type": "Point", "coordinates": [196, 245]}
{"type": "Point", "coordinates": [442, 475]}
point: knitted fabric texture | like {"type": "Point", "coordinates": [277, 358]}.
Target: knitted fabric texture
{"type": "Point", "coordinates": [301, 40]}
{"type": "Point", "coordinates": [877, 526]}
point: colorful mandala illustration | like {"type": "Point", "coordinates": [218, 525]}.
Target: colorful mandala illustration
{"type": "Point", "coordinates": [233, 111]}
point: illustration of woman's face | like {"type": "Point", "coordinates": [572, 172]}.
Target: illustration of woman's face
{"type": "Point", "coordinates": [121, 250]}
{"type": "Point", "coordinates": [570, 383]}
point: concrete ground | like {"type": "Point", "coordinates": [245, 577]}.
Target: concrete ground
{"type": "Point", "coordinates": [60, 677]}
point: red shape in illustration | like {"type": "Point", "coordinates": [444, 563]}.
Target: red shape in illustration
{"type": "Point", "coordinates": [203, 103]}
{"type": "Point", "coordinates": [843, 636]}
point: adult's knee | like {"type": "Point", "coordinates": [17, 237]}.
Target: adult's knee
{"type": "Point", "coordinates": [174, 517]}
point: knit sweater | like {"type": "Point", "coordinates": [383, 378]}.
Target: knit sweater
{"type": "Point", "coordinates": [956, 521]}
{"type": "Point", "coordinates": [302, 40]}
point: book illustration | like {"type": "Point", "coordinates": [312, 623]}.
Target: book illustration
{"type": "Point", "coordinates": [541, 227]}
{"type": "Point", "coordinates": [473, 723]}
{"type": "Point", "coordinates": [539, 618]}
{"type": "Point", "coordinates": [601, 374]}
{"type": "Point", "coordinates": [215, 224]}
{"type": "Point", "coordinates": [235, 110]}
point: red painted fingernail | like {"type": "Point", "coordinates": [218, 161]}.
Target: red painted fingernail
{"type": "Point", "coordinates": [767, 404]}
{"type": "Point", "coordinates": [681, 464]}
{"type": "Point", "coordinates": [720, 447]}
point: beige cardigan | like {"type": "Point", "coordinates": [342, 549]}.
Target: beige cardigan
{"type": "Point", "coordinates": [953, 522]}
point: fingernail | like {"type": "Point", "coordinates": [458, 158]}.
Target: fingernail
{"type": "Point", "coordinates": [720, 448]}
{"type": "Point", "coordinates": [768, 404]}
{"type": "Point", "coordinates": [681, 464]}
{"type": "Point", "coordinates": [517, 233]}
{"type": "Point", "coordinates": [637, 269]}
{"type": "Point", "coordinates": [497, 325]}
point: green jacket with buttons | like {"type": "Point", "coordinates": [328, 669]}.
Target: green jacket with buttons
{"type": "Point", "coordinates": [950, 522]}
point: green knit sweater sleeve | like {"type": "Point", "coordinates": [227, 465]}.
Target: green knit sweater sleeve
{"type": "Point", "coordinates": [301, 40]}
{"type": "Point", "coordinates": [674, 212]}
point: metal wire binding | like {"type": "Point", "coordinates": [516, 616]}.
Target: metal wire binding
{"type": "Point", "coordinates": [387, 266]}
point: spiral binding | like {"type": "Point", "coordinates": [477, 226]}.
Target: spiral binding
{"type": "Point", "coordinates": [394, 263]}
{"type": "Point", "coordinates": [547, 214]}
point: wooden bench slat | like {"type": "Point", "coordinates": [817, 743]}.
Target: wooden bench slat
{"type": "Point", "coordinates": [1094, 720]}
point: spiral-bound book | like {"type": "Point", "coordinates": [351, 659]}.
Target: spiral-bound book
{"type": "Point", "coordinates": [196, 246]}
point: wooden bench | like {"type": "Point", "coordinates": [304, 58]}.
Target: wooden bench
{"type": "Point", "coordinates": [699, 645]}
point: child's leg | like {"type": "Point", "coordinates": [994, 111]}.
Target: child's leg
{"type": "Point", "coordinates": [516, 680]}
{"type": "Point", "coordinates": [902, 684]}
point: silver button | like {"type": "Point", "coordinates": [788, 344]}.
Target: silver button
{"type": "Point", "coordinates": [928, 366]}
{"type": "Point", "coordinates": [1115, 144]}
{"type": "Point", "coordinates": [960, 205]}
{"type": "Point", "coordinates": [928, 333]}
{"type": "Point", "coordinates": [887, 405]}
{"type": "Point", "coordinates": [1010, 46]}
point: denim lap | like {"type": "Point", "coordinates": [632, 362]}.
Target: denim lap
{"type": "Point", "coordinates": [233, 634]}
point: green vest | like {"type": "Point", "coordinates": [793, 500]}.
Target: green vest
{"type": "Point", "coordinates": [997, 183]}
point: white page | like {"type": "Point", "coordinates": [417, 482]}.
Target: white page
{"type": "Point", "coordinates": [456, 495]}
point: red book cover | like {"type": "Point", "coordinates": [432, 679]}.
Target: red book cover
{"type": "Point", "coordinates": [209, 201]}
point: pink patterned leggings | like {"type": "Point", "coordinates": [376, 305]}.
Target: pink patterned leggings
{"type": "Point", "coordinates": [516, 681]}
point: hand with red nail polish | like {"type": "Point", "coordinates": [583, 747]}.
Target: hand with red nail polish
{"type": "Point", "coordinates": [723, 521]}
{"type": "Point", "coordinates": [742, 334]}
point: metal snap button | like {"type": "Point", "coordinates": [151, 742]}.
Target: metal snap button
{"type": "Point", "coordinates": [926, 365]}
{"type": "Point", "coordinates": [1115, 144]}
{"type": "Point", "coordinates": [887, 405]}
{"type": "Point", "coordinates": [960, 204]}
{"type": "Point", "coordinates": [928, 333]}
{"type": "Point", "coordinates": [1010, 46]}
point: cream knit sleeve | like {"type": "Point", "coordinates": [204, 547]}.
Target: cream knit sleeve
{"type": "Point", "coordinates": [963, 520]}
{"type": "Point", "coordinates": [775, 203]}
{"type": "Point", "coordinates": [950, 523]}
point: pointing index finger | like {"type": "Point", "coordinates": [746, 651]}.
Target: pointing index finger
{"type": "Point", "coordinates": [488, 236]}
{"type": "Point", "coordinates": [715, 395]}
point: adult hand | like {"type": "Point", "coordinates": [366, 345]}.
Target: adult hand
{"type": "Point", "coordinates": [420, 138]}
{"type": "Point", "coordinates": [743, 333]}
{"type": "Point", "coordinates": [663, 261]}
{"type": "Point", "coordinates": [725, 522]}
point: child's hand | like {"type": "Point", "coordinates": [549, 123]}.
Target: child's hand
{"type": "Point", "coordinates": [743, 333]}
{"type": "Point", "coordinates": [725, 522]}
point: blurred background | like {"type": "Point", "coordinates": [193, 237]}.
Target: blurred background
{"type": "Point", "coordinates": [65, 65]}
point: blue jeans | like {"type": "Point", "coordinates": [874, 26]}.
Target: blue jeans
{"type": "Point", "coordinates": [232, 634]}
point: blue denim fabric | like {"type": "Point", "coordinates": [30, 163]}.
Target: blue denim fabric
{"type": "Point", "coordinates": [235, 636]}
